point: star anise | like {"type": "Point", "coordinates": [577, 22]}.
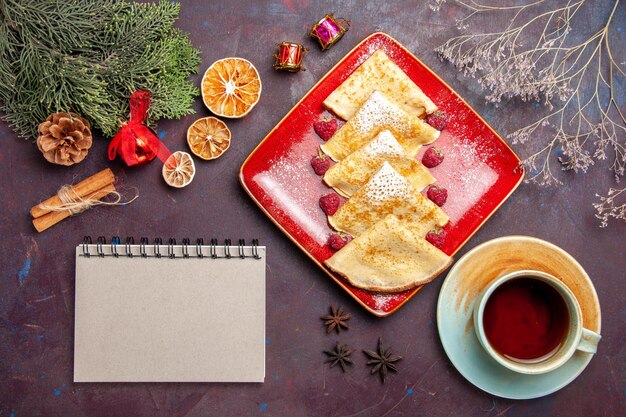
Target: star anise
{"type": "Point", "coordinates": [341, 356]}
{"type": "Point", "coordinates": [336, 319]}
{"type": "Point", "coordinates": [382, 361]}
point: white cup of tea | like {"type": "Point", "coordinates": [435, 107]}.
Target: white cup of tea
{"type": "Point", "coordinates": [531, 323]}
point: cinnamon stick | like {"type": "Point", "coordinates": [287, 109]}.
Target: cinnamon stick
{"type": "Point", "coordinates": [53, 217]}
{"type": "Point", "coordinates": [83, 189]}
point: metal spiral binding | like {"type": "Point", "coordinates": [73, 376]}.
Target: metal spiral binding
{"type": "Point", "coordinates": [255, 248]}
{"type": "Point", "coordinates": [199, 243]}
{"type": "Point", "coordinates": [171, 250]}
{"type": "Point", "coordinates": [99, 245]}
{"type": "Point", "coordinates": [186, 243]}
{"type": "Point", "coordinates": [127, 248]}
{"type": "Point", "coordinates": [157, 247]}
{"type": "Point", "coordinates": [142, 247]}
{"type": "Point", "coordinates": [214, 248]}
{"type": "Point", "coordinates": [227, 248]}
{"type": "Point", "coordinates": [114, 242]}
{"type": "Point", "coordinates": [86, 243]}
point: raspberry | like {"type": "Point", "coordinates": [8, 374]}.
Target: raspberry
{"type": "Point", "coordinates": [320, 163]}
{"type": "Point", "coordinates": [337, 241]}
{"type": "Point", "coordinates": [439, 120]}
{"type": "Point", "coordinates": [437, 194]}
{"type": "Point", "coordinates": [325, 128]}
{"type": "Point", "coordinates": [432, 157]}
{"type": "Point", "coordinates": [436, 237]}
{"type": "Point", "coordinates": [330, 203]}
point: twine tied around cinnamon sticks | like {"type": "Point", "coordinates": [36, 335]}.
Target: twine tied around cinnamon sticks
{"type": "Point", "coordinates": [75, 204]}
{"type": "Point", "coordinates": [74, 199]}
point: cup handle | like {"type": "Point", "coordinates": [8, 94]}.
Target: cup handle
{"type": "Point", "coordinates": [589, 341]}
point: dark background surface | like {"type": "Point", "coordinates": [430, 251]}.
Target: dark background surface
{"type": "Point", "coordinates": [36, 292]}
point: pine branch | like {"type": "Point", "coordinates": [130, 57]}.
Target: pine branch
{"type": "Point", "coordinates": [88, 56]}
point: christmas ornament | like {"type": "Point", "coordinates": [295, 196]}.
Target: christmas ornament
{"type": "Point", "coordinates": [329, 30]}
{"type": "Point", "coordinates": [64, 138]}
{"type": "Point", "coordinates": [135, 143]}
{"type": "Point", "coordinates": [289, 57]}
{"type": "Point", "coordinates": [208, 138]}
{"type": "Point", "coordinates": [231, 87]}
{"type": "Point", "coordinates": [179, 169]}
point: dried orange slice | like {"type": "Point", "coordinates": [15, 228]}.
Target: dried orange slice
{"type": "Point", "coordinates": [208, 138]}
{"type": "Point", "coordinates": [179, 169]}
{"type": "Point", "coordinates": [231, 87]}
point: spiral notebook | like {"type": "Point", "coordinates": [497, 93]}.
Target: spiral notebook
{"type": "Point", "coordinates": [155, 312]}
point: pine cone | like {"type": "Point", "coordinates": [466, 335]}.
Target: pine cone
{"type": "Point", "coordinates": [64, 138]}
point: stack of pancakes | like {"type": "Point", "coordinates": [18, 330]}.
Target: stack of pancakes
{"type": "Point", "coordinates": [377, 171]}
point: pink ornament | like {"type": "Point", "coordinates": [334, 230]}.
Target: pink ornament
{"type": "Point", "coordinates": [329, 30]}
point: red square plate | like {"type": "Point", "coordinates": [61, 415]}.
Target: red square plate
{"type": "Point", "coordinates": [480, 170]}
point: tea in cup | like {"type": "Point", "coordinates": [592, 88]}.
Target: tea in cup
{"type": "Point", "coordinates": [530, 322]}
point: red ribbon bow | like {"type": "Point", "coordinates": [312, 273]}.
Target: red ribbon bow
{"type": "Point", "coordinates": [135, 143]}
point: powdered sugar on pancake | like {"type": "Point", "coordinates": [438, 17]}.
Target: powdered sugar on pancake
{"type": "Point", "coordinates": [385, 143]}
{"type": "Point", "coordinates": [377, 111]}
{"type": "Point", "coordinates": [387, 183]}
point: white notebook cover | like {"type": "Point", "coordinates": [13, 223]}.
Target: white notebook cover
{"type": "Point", "coordinates": [169, 320]}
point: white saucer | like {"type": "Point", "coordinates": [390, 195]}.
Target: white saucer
{"type": "Point", "coordinates": [466, 280]}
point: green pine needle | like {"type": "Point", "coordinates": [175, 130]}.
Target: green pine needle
{"type": "Point", "coordinates": [88, 56]}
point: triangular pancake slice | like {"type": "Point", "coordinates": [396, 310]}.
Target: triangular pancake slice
{"type": "Point", "coordinates": [351, 173]}
{"type": "Point", "coordinates": [387, 192]}
{"type": "Point", "coordinates": [380, 73]}
{"type": "Point", "coordinates": [378, 114]}
{"type": "Point", "coordinates": [389, 257]}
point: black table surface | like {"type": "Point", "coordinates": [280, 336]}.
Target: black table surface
{"type": "Point", "coordinates": [37, 289]}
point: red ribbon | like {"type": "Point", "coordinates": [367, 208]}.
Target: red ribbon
{"type": "Point", "coordinates": [135, 143]}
